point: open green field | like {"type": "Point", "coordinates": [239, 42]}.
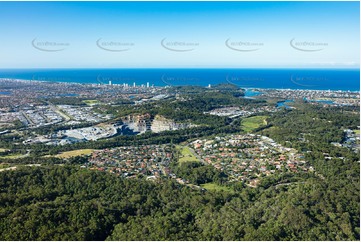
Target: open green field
{"type": "Point", "coordinates": [13, 156]}
{"type": "Point", "coordinates": [91, 102]}
{"type": "Point", "coordinates": [74, 153]}
{"type": "Point", "coordinates": [214, 187]}
{"type": "Point", "coordinates": [357, 131]}
{"type": "Point", "coordinates": [186, 154]}
{"type": "Point", "coordinates": [252, 123]}
{"type": "Point", "coordinates": [3, 165]}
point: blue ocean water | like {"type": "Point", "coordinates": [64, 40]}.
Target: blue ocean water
{"type": "Point", "coordinates": [316, 79]}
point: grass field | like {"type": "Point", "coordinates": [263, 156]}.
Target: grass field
{"type": "Point", "coordinates": [214, 187]}
{"type": "Point", "coordinates": [13, 156]}
{"type": "Point", "coordinates": [73, 153]}
{"type": "Point", "coordinates": [91, 102]}
{"type": "Point", "coordinates": [252, 123]}
{"type": "Point", "coordinates": [357, 131]}
{"type": "Point", "coordinates": [2, 166]}
{"type": "Point", "coordinates": [186, 154]}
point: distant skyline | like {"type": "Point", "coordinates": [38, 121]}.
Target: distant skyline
{"type": "Point", "coordinates": [179, 35]}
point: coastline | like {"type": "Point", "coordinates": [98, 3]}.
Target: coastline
{"type": "Point", "coordinates": [253, 89]}
{"type": "Point", "coordinates": [283, 79]}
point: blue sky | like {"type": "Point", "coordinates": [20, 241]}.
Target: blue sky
{"type": "Point", "coordinates": [179, 34]}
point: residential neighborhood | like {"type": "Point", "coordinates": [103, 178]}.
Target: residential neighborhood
{"type": "Point", "coordinates": [149, 160]}
{"type": "Point", "coordinates": [248, 157]}
{"type": "Point", "coordinates": [244, 158]}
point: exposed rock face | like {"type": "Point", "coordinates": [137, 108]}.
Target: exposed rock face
{"type": "Point", "coordinates": [160, 124]}
{"type": "Point", "coordinates": [142, 123]}
{"type": "Point", "coordinates": [138, 123]}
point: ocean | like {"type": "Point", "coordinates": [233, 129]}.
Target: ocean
{"type": "Point", "coordinates": [312, 79]}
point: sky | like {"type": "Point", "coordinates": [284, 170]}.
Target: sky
{"type": "Point", "coordinates": [179, 35]}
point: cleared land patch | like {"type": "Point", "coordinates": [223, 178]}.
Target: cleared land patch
{"type": "Point", "coordinates": [74, 153]}
{"type": "Point", "coordinates": [252, 123]}
{"type": "Point", "coordinates": [13, 156]}
{"type": "Point", "coordinates": [3, 165]}
{"type": "Point", "coordinates": [215, 187]}
{"type": "Point", "coordinates": [186, 154]}
{"type": "Point", "coordinates": [91, 102]}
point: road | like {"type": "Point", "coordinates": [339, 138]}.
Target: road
{"type": "Point", "coordinates": [58, 111]}
{"type": "Point", "coordinates": [196, 155]}
{"type": "Point", "coordinates": [14, 167]}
